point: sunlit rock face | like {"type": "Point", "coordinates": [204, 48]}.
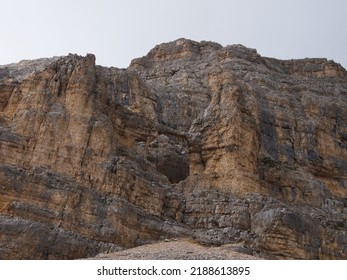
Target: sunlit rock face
{"type": "Point", "coordinates": [194, 139]}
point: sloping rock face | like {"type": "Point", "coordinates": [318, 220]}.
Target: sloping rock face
{"type": "Point", "coordinates": [194, 139]}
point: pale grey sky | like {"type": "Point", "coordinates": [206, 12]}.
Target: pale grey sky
{"type": "Point", "coordinates": [118, 31]}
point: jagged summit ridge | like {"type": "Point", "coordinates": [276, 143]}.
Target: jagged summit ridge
{"type": "Point", "coordinates": [184, 48]}
{"type": "Point", "coordinates": [188, 49]}
{"type": "Point", "coordinates": [192, 140]}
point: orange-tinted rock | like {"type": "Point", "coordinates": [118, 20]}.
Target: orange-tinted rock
{"type": "Point", "coordinates": [194, 139]}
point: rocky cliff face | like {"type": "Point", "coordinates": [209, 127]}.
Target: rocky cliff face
{"type": "Point", "coordinates": [194, 139]}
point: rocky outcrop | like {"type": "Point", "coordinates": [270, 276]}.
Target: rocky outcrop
{"type": "Point", "coordinates": [194, 139]}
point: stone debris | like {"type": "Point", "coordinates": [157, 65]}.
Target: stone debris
{"type": "Point", "coordinates": [173, 249]}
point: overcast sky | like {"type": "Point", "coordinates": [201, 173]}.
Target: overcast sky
{"type": "Point", "coordinates": [118, 31]}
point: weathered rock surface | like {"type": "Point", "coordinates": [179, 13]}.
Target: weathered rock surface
{"type": "Point", "coordinates": [194, 139]}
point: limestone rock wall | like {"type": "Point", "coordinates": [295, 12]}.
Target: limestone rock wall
{"type": "Point", "coordinates": [194, 139]}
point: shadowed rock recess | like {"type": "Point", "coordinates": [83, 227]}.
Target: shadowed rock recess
{"type": "Point", "coordinates": [191, 140]}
